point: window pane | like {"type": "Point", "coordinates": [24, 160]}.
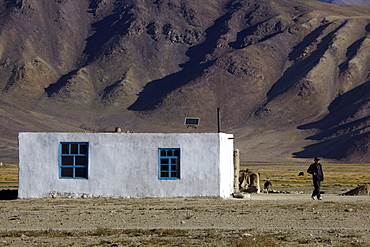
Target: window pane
{"type": "Point", "coordinates": [169, 153]}
{"type": "Point", "coordinates": [67, 172]}
{"type": "Point", "coordinates": [163, 153]}
{"type": "Point", "coordinates": [73, 160]}
{"type": "Point", "coordinates": [164, 161]}
{"type": "Point", "coordinates": [164, 167]}
{"type": "Point", "coordinates": [174, 161]}
{"type": "Point", "coordinates": [67, 160]}
{"type": "Point", "coordinates": [80, 160]}
{"type": "Point", "coordinates": [164, 174]}
{"type": "Point", "coordinates": [177, 152]}
{"type": "Point", "coordinates": [83, 149]}
{"type": "Point", "coordinates": [174, 174]}
{"type": "Point", "coordinates": [80, 172]}
{"type": "Point", "coordinates": [65, 148]}
{"type": "Point", "coordinates": [175, 167]}
{"type": "Point", "coordinates": [74, 148]}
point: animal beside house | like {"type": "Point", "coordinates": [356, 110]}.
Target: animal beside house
{"type": "Point", "coordinates": [140, 164]}
{"type": "Point", "coordinates": [249, 181]}
{"type": "Point", "coordinates": [266, 186]}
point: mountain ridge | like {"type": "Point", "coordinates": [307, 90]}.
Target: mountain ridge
{"type": "Point", "coordinates": [347, 2]}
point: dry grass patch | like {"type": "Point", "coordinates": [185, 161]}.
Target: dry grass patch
{"type": "Point", "coordinates": [285, 175]}
{"type": "Point", "coordinates": [154, 237]}
{"type": "Point", "coordinates": [170, 237]}
{"type": "Point", "coordinates": [8, 176]}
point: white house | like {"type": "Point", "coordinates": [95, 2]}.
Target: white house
{"type": "Point", "coordinates": [133, 165]}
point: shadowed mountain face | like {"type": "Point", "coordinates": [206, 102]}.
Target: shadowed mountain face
{"type": "Point", "coordinates": [291, 77]}
{"type": "Point", "coordinates": [347, 2]}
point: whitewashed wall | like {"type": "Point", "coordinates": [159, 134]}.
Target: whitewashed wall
{"type": "Point", "coordinates": [126, 165]}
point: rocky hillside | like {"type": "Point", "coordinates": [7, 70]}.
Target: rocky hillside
{"type": "Point", "coordinates": [291, 77]}
{"type": "Point", "coordinates": [347, 2]}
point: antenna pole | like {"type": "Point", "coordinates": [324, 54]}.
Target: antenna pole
{"type": "Point", "coordinates": [218, 120]}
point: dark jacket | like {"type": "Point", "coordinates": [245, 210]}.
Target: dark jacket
{"type": "Point", "coordinates": [316, 168]}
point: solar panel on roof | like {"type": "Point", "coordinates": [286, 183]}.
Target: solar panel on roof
{"type": "Point", "coordinates": [192, 121]}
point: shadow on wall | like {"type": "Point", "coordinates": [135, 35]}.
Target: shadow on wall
{"type": "Point", "coordinates": [8, 194]}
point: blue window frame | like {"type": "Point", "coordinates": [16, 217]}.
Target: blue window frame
{"type": "Point", "coordinates": [73, 160]}
{"type": "Point", "coordinates": [169, 163]}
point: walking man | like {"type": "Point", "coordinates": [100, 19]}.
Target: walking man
{"type": "Point", "coordinates": [317, 176]}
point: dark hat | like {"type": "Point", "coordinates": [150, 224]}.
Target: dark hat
{"type": "Point", "coordinates": [316, 158]}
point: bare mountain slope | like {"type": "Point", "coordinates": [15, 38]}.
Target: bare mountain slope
{"type": "Point", "coordinates": [290, 76]}
{"type": "Point", "coordinates": [347, 2]}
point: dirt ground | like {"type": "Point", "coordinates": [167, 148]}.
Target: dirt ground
{"type": "Point", "coordinates": [258, 220]}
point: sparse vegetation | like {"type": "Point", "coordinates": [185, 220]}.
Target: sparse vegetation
{"type": "Point", "coordinates": [284, 175]}
{"type": "Point", "coordinates": [159, 237]}
{"type": "Point", "coordinates": [173, 237]}
{"type": "Point", "coordinates": [9, 176]}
